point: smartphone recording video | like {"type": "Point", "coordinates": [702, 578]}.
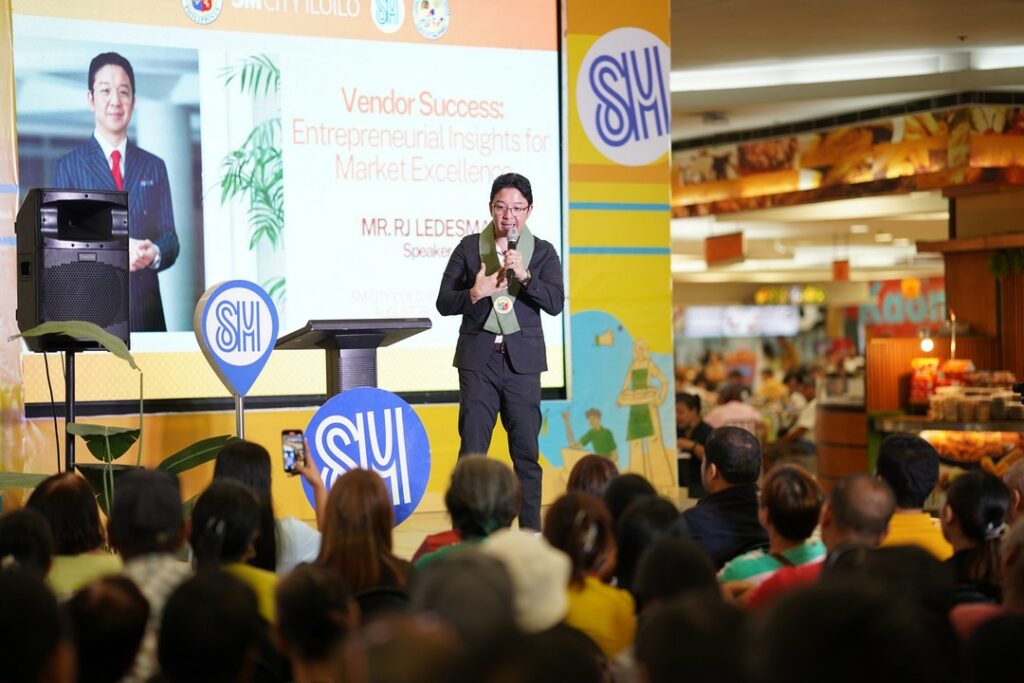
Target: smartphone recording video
{"type": "Point", "coordinates": [292, 449]}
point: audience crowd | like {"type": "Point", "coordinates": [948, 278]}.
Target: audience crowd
{"type": "Point", "coordinates": [767, 578]}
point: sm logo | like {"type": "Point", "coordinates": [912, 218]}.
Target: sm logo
{"type": "Point", "coordinates": [372, 429]}
{"type": "Point", "coordinates": [236, 326]}
{"type": "Point", "coordinates": [388, 15]}
{"type": "Point", "coordinates": [622, 95]}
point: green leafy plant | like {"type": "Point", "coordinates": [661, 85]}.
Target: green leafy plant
{"type": "Point", "coordinates": [108, 444]}
{"type": "Point", "coordinates": [255, 170]}
{"type": "Point", "coordinates": [1005, 262]}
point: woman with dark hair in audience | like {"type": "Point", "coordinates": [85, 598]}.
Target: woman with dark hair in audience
{"type": "Point", "coordinates": [357, 541]}
{"type": "Point", "coordinates": [484, 496]}
{"type": "Point", "coordinates": [26, 542]}
{"type": "Point", "coordinates": [315, 613]}
{"type": "Point", "coordinates": [973, 521]}
{"type": "Point", "coordinates": [623, 490]}
{"type": "Point", "coordinates": [285, 542]}
{"type": "Point", "coordinates": [691, 434]}
{"type": "Point", "coordinates": [579, 525]}
{"type": "Point", "coordinates": [225, 530]}
{"type": "Point", "coordinates": [791, 501]}
{"type": "Point", "coordinates": [645, 521]}
{"type": "Point", "coordinates": [69, 506]}
{"type": "Point", "coordinates": [108, 619]}
{"type": "Point", "coordinates": [591, 474]}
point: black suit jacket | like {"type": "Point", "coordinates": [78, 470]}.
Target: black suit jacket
{"type": "Point", "coordinates": [725, 523]}
{"type": "Point", "coordinates": [545, 292]}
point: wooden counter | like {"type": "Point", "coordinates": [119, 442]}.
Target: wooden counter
{"type": "Point", "coordinates": [841, 432]}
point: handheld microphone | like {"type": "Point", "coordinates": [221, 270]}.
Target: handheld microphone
{"type": "Point", "coordinates": [513, 242]}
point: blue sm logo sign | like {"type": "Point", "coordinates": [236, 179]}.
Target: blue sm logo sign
{"type": "Point", "coordinates": [622, 94]}
{"type": "Point", "coordinates": [372, 429]}
{"type": "Point", "coordinates": [236, 325]}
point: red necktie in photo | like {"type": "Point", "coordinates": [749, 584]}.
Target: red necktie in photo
{"type": "Point", "coordinates": [115, 157]}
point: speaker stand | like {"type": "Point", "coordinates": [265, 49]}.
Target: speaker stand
{"type": "Point", "coordinates": [69, 410]}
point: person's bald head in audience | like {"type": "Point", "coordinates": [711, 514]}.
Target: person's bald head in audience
{"type": "Point", "coordinates": [858, 511]}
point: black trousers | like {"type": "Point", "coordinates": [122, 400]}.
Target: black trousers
{"type": "Point", "coordinates": [500, 389]}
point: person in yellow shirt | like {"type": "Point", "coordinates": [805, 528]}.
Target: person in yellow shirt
{"type": "Point", "coordinates": [69, 506]}
{"type": "Point", "coordinates": [772, 388]}
{"type": "Point", "coordinates": [225, 522]}
{"type": "Point", "coordinates": [580, 525]}
{"type": "Point", "coordinates": [910, 466]}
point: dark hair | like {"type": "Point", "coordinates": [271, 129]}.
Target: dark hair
{"type": "Point", "coordinates": [483, 496]}
{"type": "Point", "coordinates": [991, 650]}
{"type": "Point", "coordinates": [357, 541]}
{"type": "Point", "coordinates": [580, 525]}
{"type": "Point", "coordinates": [980, 502]}
{"type": "Point", "coordinates": [642, 523]}
{"type": "Point", "coordinates": [25, 538]}
{"type": "Point", "coordinates": [209, 627]}
{"type": "Point", "coordinates": [470, 591]}
{"type": "Point", "coordinates": [402, 649]}
{"type": "Point", "coordinates": [516, 182]}
{"type": "Point", "coordinates": [730, 392]}
{"type": "Point", "coordinates": [313, 606]}
{"type": "Point", "coordinates": [736, 453]}
{"type": "Point", "coordinates": [146, 516]}
{"type": "Point", "coordinates": [69, 506]}
{"type": "Point", "coordinates": [842, 633]}
{"type": "Point", "coordinates": [691, 401]}
{"type": "Point", "coordinates": [908, 571]}
{"type": "Point", "coordinates": [699, 635]}
{"type": "Point", "coordinates": [108, 618]}
{"type": "Point", "coordinates": [225, 521]}
{"type": "Point", "coordinates": [110, 59]}
{"type": "Point", "coordinates": [672, 567]}
{"type": "Point", "coordinates": [862, 506]}
{"type": "Point", "coordinates": [556, 655]}
{"type": "Point", "coordinates": [591, 474]}
{"type": "Point", "coordinates": [623, 490]}
{"type": "Point", "coordinates": [30, 626]}
{"type": "Point", "coordinates": [793, 499]}
{"type": "Point", "coordinates": [249, 463]}
{"type": "Point", "coordinates": [910, 466]}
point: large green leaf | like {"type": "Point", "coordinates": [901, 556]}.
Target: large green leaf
{"type": "Point", "coordinates": [196, 454]}
{"type": "Point", "coordinates": [82, 330]}
{"type": "Point", "coordinates": [94, 473]}
{"type": "Point", "coordinates": [106, 443]}
{"type": "Point", "coordinates": [188, 506]}
{"type": "Point", "coordinates": [20, 480]}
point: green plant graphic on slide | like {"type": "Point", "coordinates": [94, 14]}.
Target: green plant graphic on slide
{"type": "Point", "coordinates": [254, 172]}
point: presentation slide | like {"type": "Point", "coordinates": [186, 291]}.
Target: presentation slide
{"type": "Point", "coordinates": [333, 152]}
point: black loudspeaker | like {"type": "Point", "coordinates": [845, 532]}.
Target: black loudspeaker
{"type": "Point", "coordinates": [72, 263]}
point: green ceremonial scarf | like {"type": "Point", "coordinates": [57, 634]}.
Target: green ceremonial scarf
{"type": "Point", "coordinates": [502, 318]}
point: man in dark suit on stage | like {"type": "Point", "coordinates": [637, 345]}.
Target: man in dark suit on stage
{"type": "Point", "coordinates": [108, 161]}
{"type": "Point", "coordinates": [499, 288]}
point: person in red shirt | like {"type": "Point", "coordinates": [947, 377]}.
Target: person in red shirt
{"type": "Point", "coordinates": [856, 514]}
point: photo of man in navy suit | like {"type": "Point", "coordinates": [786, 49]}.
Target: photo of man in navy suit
{"type": "Point", "coordinates": [109, 161]}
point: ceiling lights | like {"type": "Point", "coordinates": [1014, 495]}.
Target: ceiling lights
{"type": "Point", "coordinates": [859, 67]}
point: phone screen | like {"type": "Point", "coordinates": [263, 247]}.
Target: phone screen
{"type": "Point", "coordinates": [292, 449]}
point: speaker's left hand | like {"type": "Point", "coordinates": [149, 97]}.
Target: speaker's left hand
{"type": "Point", "coordinates": [140, 254]}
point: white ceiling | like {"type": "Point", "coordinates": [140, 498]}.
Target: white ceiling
{"type": "Point", "coordinates": [759, 63]}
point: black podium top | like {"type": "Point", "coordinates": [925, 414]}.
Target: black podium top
{"type": "Point", "coordinates": [352, 334]}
